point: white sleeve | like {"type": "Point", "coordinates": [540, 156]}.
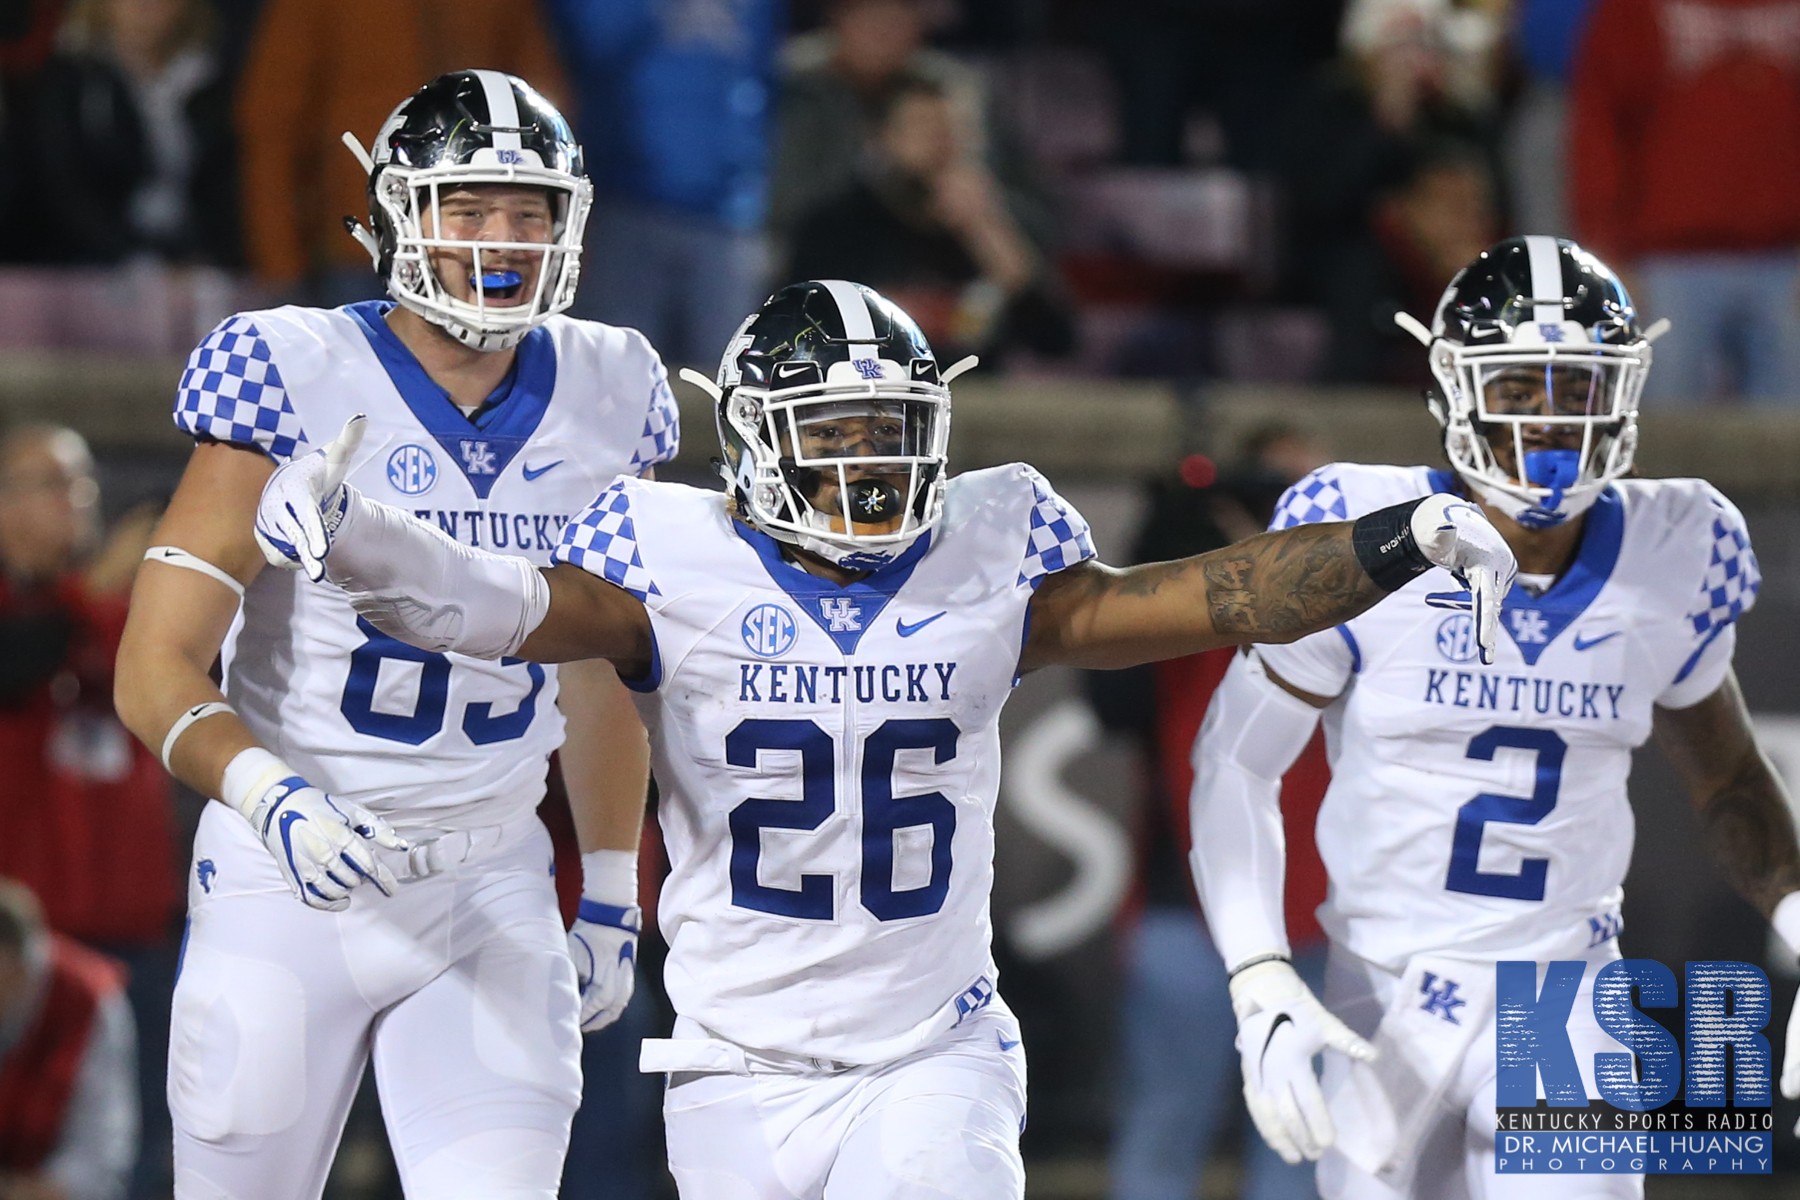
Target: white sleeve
{"type": "Point", "coordinates": [415, 583]}
{"type": "Point", "coordinates": [1253, 732]}
{"type": "Point", "coordinates": [1321, 663]}
{"type": "Point", "coordinates": [1728, 589]}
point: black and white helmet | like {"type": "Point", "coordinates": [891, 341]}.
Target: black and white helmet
{"type": "Point", "coordinates": [473, 127]}
{"type": "Point", "coordinates": [815, 357]}
{"type": "Point", "coordinates": [1538, 333]}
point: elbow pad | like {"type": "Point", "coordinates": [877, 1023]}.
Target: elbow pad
{"type": "Point", "coordinates": [1253, 732]}
{"type": "Point", "coordinates": [413, 582]}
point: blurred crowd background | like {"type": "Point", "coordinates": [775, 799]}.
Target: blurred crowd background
{"type": "Point", "coordinates": [1176, 231]}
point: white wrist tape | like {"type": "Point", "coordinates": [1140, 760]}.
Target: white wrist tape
{"type": "Point", "coordinates": [1786, 920]}
{"type": "Point", "coordinates": [248, 775]}
{"type": "Point", "coordinates": [197, 713]}
{"type": "Point", "coordinates": [1254, 730]}
{"type": "Point", "coordinates": [175, 556]}
{"type": "Point", "coordinates": [610, 876]}
{"type": "Point", "coordinates": [415, 583]}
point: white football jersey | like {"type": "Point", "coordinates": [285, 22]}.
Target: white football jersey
{"type": "Point", "coordinates": [828, 757]}
{"type": "Point", "coordinates": [427, 740]}
{"type": "Point", "coordinates": [1481, 807]}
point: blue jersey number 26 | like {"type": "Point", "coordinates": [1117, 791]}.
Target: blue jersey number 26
{"type": "Point", "coordinates": [1471, 818]}
{"type": "Point", "coordinates": [883, 815]}
{"type": "Point", "coordinates": [426, 720]}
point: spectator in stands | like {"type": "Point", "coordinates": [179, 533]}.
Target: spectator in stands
{"type": "Point", "coordinates": [1239, 59]}
{"type": "Point", "coordinates": [926, 223]}
{"type": "Point", "coordinates": [320, 67]}
{"type": "Point", "coordinates": [1413, 72]}
{"type": "Point", "coordinates": [1438, 215]}
{"type": "Point", "coordinates": [68, 1104]}
{"type": "Point", "coordinates": [837, 89]}
{"type": "Point", "coordinates": [675, 112]}
{"type": "Point", "coordinates": [1684, 160]}
{"type": "Point", "coordinates": [1179, 1082]}
{"type": "Point", "coordinates": [129, 128]}
{"type": "Point", "coordinates": [1545, 34]}
{"type": "Point", "coordinates": [85, 820]}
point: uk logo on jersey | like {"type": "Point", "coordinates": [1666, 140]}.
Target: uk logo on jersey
{"type": "Point", "coordinates": [412, 470]}
{"type": "Point", "coordinates": [1529, 626]}
{"type": "Point", "coordinates": [478, 458]}
{"type": "Point", "coordinates": [1441, 998]}
{"type": "Point", "coordinates": [768, 630]}
{"type": "Point", "coordinates": [843, 616]}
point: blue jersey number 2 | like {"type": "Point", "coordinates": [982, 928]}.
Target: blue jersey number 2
{"type": "Point", "coordinates": [883, 815]}
{"type": "Point", "coordinates": [1465, 850]}
{"type": "Point", "coordinates": [427, 717]}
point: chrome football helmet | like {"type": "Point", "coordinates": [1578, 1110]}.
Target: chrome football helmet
{"type": "Point", "coordinates": [473, 127]}
{"type": "Point", "coordinates": [1539, 361]}
{"type": "Point", "coordinates": [834, 422]}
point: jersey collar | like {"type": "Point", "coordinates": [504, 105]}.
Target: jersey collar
{"type": "Point", "coordinates": [844, 611]}
{"type": "Point", "coordinates": [482, 445]}
{"type": "Point", "coordinates": [1536, 621]}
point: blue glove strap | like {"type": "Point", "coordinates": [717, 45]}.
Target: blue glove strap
{"type": "Point", "coordinates": [614, 915]}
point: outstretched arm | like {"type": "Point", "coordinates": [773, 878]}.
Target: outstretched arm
{"type": "Point", "coordinates": [411, 581]}
{"type": "Point", "coordinates": [1274, 587]}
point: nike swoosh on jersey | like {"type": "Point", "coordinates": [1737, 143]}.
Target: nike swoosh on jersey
{"type": "Point", "coordinates": [906, 630]}
{"type": "Point", "coordinates": [532, 473]}
{"type": "Point", "coordinates": [1004, 1044]}
{"type": "Point", "coordinates": [1582, 643]}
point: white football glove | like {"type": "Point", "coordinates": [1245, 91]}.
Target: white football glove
{"type": "Point", "coordinates": [603, 940]}
{"type": "Point", "coordinates": [1281, 1027]}
{"type": "Point", "coordinates": [304, 502]}
{"type": "Point", "coordinates": [321, 844]}
{"type": "Point", "coordinates": [1453, 533]}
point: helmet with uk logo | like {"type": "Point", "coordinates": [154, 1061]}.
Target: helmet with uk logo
{"type": "Point", "coordinates": [1540, 361]}
{"type": "Point", "coordinates": [834, 422]}
{"type": "Point", "coordinates": [463, 130]}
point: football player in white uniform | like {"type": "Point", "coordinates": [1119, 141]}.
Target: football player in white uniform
{"type": "Point", "coordinates": [820, 654]}
{"type": "Point", "coordinates": [349, 762]}
{"type": "Point", "coordinates": [1477, 811]}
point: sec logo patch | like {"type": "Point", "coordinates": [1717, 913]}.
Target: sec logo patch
{"type": "Point", "coordinates": [412, 470]}
{"type": "Point", "coordinates": [769, 630]}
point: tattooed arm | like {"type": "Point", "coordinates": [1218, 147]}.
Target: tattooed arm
{"type": "Point", "coordinates": [1275, 587]}
{"type": "Point", "coordinates": [1741, 801]}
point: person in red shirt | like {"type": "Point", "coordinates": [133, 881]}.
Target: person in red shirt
{"type": "Point", "coordinates": [68, 1107]}
{"type": "Point", "coordinates": [1684, 172]}
{"type": "Point", "coordinates": [86, 815]}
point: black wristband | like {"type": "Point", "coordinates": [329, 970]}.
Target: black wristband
{"type": "Point", "coordinates": [1384, 545]}
{"type": "Point", "coordinates": [1257, 960]}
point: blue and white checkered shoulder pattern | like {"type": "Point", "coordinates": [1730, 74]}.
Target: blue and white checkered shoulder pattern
{"type": "Point", "coordinates": [1317, 497]}
{"type": "Point", "coordinates": [1732, 576]}
{"type": "Point", "coordinates": [603, 541]}
{"type": "Point", "coordinates": [1058, 538]}
{"type": "Point", "coordinates": [232, 392]}
{"type": "Point", "coordinates": [662, 428]}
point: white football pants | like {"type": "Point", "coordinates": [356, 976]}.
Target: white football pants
{"type": "Point", "coordinates": [459, 986]}
{"type": "Point", "coordinates": [1455, 1157]}
{"type": "Point", "coordinates": [942, 1123]}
